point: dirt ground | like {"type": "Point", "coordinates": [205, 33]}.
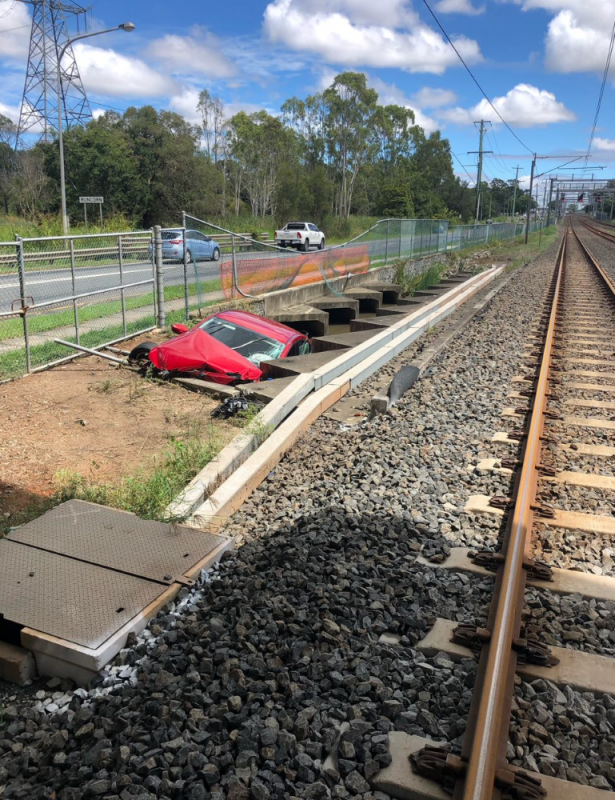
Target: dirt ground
{"type": "Point", "coordinates": [92, 418]}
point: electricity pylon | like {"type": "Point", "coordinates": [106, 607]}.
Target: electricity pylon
{"type": "Point", "coordinates": [39, 105]}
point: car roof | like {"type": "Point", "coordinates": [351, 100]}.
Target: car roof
{"type": "Point", "coordinates": [267, 327]}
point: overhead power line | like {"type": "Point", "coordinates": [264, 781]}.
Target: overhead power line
{"type": "Point", "coordinates": [471, 74]}
{"type": "Point", "coordinates": [605, 75]}
{"type": "Point", "coordinates": [463, 168]}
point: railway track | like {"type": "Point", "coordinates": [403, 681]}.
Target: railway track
{"type": "Point", "coordinates": [602, 229]}
{"type": "Point", "coordinates": [567, 394]}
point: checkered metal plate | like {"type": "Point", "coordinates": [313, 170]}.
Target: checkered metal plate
{"type": "Point", "coordinates": [81, 603]}
{"type": "Point", "coordinates": [118, 540]}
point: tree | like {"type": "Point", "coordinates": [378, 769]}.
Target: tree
{"type": "Point", "coordinates": [350, 108]}
{"type": "Point", "coordinates": [33, 188]}
{"type": "Point", "coordinates": [8, 132]}
{"type": "Point", "coordinates": [260, 146]}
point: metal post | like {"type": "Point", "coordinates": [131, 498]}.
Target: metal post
{"type": "Point", "coordinates": [120, 261]}
{"type": "Point", "coordinates": [22, 291]}
{"type": "Point", "coordinates": [185, 260]}
{"type": "Point", "coordinates": [550, 196]}
{"type": "Point", "coordinates": [102, 224]}
{"type": "Point", "coordinates": [85, 215]}
{"type": "Point", "coordinates": [386, 246]}
{"type": "Point", "coordinates": [61, 145]}
{"type": "Point", "coordinates": [234, 256]}
{"type": "Point", "coordinates": [74, 286]}
{"type": "Point", "coordinates": [161, 316]}
{"type": "Point", "coordinates": [529, 200]}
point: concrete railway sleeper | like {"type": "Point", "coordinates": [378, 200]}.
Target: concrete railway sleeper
{"type": "Point", "coordinates": [579, 302]}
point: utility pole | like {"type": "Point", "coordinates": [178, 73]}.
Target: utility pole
{"type": "Point", "coordinates": [517, 168]}
{"type": "Point", "coordinates": [529, 199]}
{"type": "Point", "coordinates": [479, 173]}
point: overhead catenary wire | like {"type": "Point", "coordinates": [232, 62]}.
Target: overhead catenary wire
{"type": "Point", "coordinates": [471, 74]}
{"type": "Point", "coordinates": [605, 76]}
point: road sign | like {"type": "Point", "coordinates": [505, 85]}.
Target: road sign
{"type": "Point", "coordinates": [91, 199]}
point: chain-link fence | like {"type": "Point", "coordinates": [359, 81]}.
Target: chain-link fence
{"type": "Point", "coordinates": [247, 267]}
{"type": "Point", "coordinates": [89, 290]}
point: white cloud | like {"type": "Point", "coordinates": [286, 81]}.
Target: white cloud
{"type": "Point", "coordinates": [434, 98]}
{"type": "Point", "coordinates": [578, 34]}
{"type": "Point", "coordinates": [603, 144]}
{"type": "Point", "coordinates": [14, 31]}
{"type": "Point", "coordinates": [97, 113]}
{"type": "Point", "coordinates": [198, 53]}
{"type": "Point", "coordinates": [107, 72]}
{"type": "Point", "coordinates": [12, 112]}
{"type": "Point", "coordinates": [339, 33]}
{"type": "Point", "coordinates": [525, 106]}
{"type": "Point", "coordinates": [458, 7]}
{"type": "Point", "coordinates": [186, 103]}
{"type": "Point", "coordinates": [392, 13]}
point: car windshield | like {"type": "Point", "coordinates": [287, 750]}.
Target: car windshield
{"type": "Point", "coordinates": [167, 235]}
{"type": "Point", "coordinates": [252, 345]}
{"type": "Point", "coordinates": [295, 226]}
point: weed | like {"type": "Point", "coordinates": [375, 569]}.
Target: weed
{"type": "Point", "coordinates": [417, 283]}
{"type": "Point", "coordinates": [106, 387]}
{"type": "Point", "coordinates": [145, 494]}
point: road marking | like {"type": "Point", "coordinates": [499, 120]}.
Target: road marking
{"type": "Point", "coordinates": [77, 277]}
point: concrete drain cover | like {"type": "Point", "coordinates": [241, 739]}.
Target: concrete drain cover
{"type": "Point", "coordinates": [78, 580]}
{"type": "Point", "coordinates": [118, 540]}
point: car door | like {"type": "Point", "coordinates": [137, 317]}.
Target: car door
{"type": "Point", "coordinates": [208, 246]}
{"type": "Point", "coordinates": [200, 246]}
{"type": "Point", "coordinates": [315, 235]}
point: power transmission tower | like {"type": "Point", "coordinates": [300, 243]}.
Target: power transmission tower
{"type": "Point", "coordinates": [479, 173]}
{"type": "Point", "coordinates": [39, 106]}
{"type": "Point", "coordinates": [517, 168]}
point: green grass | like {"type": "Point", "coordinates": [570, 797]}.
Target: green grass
{"type": "Point", "coordinates": [13, 328]}
{"type": "Point", "coordinates": [417, 283]}
{"type": "Point", "coordinates": [147, 494]}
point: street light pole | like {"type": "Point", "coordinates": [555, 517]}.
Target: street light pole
{"type": "Point", "coordinates": [125, 26]}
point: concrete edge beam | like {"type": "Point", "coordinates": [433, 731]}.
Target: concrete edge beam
{"type": "Point", "coordinates": [17, 664]}
{"type": "Point", "coordinates": [239, 449]}
{"type": "Point", "coordinates": [401, 782]}
{"type": "Point", "coordinates": [228, 498]}
{"type": "Point", "coordinates": [583, 671]}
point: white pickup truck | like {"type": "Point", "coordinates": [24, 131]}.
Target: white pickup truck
{"type": "Point", "coordinates": [302, 235]}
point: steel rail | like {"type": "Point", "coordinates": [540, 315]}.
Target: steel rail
{"type": "Point", "coordinates": [491, 722]}
{"type": "Point", "coordinates": [603, 234]}
{"type": "Point", "coordinates": [595, 263]}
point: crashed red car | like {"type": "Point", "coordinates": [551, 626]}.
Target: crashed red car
{"type": "Point", "coordinates": [227, 348]}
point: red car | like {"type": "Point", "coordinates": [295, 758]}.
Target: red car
{"type": "Point", "coordinates": [227, 347]}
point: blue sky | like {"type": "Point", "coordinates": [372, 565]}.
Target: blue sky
{"type": "Point", "coordinates": [539, 61]}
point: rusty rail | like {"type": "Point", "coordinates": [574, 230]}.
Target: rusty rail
{"type": "Point", "coordinates": [485, 741]}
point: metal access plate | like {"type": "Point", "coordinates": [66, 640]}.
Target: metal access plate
{"type": "Point", "coordinates": [118, 540]}
{"type": "Point", "coordinates": [81, 603]}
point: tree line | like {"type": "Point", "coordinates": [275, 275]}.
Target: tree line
{"type": "Point", "coordinates": [329, 155]}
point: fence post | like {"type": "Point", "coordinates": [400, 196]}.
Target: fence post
{"type": "Point", "coordinates": [74, 287]}
{"type": "Point", "coordinates": [120, 261]}
{"type": "Point", "coordinates": [234, 256]}
{"type": "Point", "coordinates": [386, 246]}
{"type": "Point", "coordinates": [185, 259]}
{"type": "Point", "coordinates": [22, 291]}
{"type": "Point", "coordinates": [161, 316]}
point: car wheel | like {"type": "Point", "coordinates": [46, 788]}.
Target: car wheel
{"type": "Point", "coordinates": [189, 257]}
{"type": "Point", "coordinates": [216, 254]}
{"type": "Point", "coordinates": [321, 246]}
{"type": "Point", "coordinates": [306, 245]}
{"type": "Point", "coordinates": [140, 354]}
